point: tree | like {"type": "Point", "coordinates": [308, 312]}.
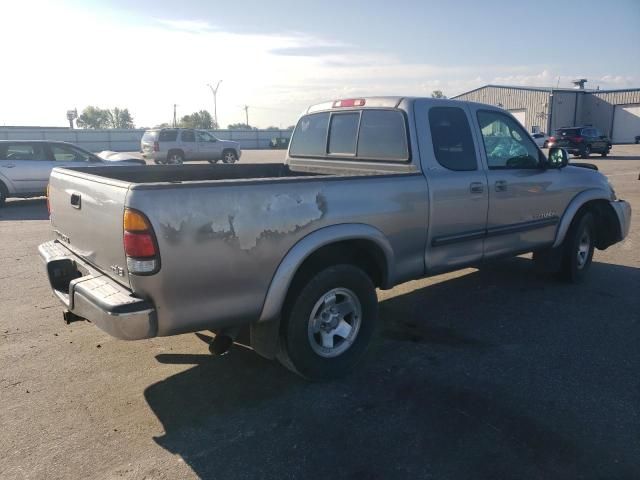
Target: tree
{"type": "Point", "coordinates": [438, 94]}
{"type": "Point", "coordinates": [290, 127]}
{"type": "Point", "coordinates": [92, 117]}
{"type": "Point", "coordinates": [240, 126]}
{"type": "Point", "coordinates": [119, 118]}
{"type": "Point", "coordinates": [201, 119]}
{"type": "Point", "coordinates": [96, 117]}
{"type": "Point", "coordinates": [272, 128]}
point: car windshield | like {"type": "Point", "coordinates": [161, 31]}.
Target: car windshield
{"type": "Point", "coordinates": [150, 136]}
{"type": "Point", "coordinates": [567, 132]}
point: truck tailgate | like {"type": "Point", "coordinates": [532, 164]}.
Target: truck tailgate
{"type": "Point", "coordinates": [86, 215]}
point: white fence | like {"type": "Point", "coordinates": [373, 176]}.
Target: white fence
{"type": "Point", "coordinates": [129, 140]}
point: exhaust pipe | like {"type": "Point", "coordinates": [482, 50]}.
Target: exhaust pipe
{"type": "Point", "coordinates": [223, 340]}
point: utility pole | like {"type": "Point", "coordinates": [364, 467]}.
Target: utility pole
{"type": "Point", "coordinates": [175, 123]}
{"type": "Point", "coordinates": [246, 113]}
{"type": "Point", "coordinates": [215, 101]}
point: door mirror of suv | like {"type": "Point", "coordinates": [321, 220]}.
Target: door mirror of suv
{"type": "Point", "coordinates": [558, 158]}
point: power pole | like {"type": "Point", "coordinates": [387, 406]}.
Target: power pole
{"type": "Point", "coordinates": [246, 113]}
{"type": "Point", "coordinates": [175, 123]}
{"type": "Point", "coordinates": [215, 101]}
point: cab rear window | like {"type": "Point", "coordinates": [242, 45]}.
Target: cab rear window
{"type": "Point", "coordinates": [150, 136]}
{"type": "Point", "coordinates": [356, 134]}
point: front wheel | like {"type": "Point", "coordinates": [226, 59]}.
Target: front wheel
{"type": "Point", "coordinates": [229, 156]}
{"type": "Point", "coordinates": [329, 324]}
{"type": "Point", "coordinates": [578, 249]}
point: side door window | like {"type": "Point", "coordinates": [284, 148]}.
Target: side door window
{"type": "Point", "coordinates": [452, 141]}
{"type": "Point", "coordinates": [506, 144]}
{"type": "Point", "coordinates": [68, 154]}
{"type": "Point", "coordinates": [188, 136]}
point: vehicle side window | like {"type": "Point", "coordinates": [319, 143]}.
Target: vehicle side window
{"type": "Point", "coordinates": [310, 136]}
{"type": "Point", "coordinates": [24, 151]}
{"type": "Point", "coordinates": [343, 133]}
{"type": "Point", "coordinates": [506, 144]}
{"type": "Point", "coordinates": [382, 136]}
{"type": "Point", "coordinates": [452, 141]}
{"type": "Point", "coordinates": [205, 137]}
{"type": "Point", "coordinates": [188, 136]}
{"type": "Point", "coordinates": [64, 153]}
{"type": "Point", "coordinates": [168, 136]}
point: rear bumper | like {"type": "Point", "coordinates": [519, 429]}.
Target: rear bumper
{"type": "Point", "coordinates": [623, 211]}
{"type": "Point", "coordinates": [89, 294]}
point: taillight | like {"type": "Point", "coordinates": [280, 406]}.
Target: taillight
{"type": "Point", "coordinates": [140, 246]}
{"type": "Point", "coordinates": [156, 147]}
{"type": "Point", "coordinates": [349, 102]}
{"type": "Point", "coordinates": [576, 139]}
{"type": "Point", "coordinates": [552, 139]}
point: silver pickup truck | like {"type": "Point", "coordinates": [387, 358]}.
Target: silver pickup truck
{"type": "Point", "coordinates": [374, 192]}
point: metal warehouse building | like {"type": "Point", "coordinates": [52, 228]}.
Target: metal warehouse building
{"type": "Point", "coordinates": [614, 112]}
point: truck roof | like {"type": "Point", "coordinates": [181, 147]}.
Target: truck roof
{"type": "Point", "coordinates": [377, 102]}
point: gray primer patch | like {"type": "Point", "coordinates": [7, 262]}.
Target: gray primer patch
{"type": "Point", "coordinates": [245, 217]}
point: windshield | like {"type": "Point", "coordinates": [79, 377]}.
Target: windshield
{"type": "Point", "coordinates": [567, 132]}
{"type": "Point", "coordinates": [150, 136]}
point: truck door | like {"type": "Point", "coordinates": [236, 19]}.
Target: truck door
{"type": "Point", "coordinates": [457, 183]}
{"type": "Point", "coordinates": [525, 201]}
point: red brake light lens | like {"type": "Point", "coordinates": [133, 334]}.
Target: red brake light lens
{"type": "Point", "coordinates": [577, 139]}
{"type": "Point", "coordinates": [139, 245]}
{"type": "Point", "coordinates": [349, 102]}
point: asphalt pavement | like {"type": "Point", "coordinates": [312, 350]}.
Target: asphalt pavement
{"type": "Point", "coordinates": [495, 373]}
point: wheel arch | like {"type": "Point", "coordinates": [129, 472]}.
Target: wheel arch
{"type": "Point", "coordinates": [596, 202]}
{"type": "Point", "coordinates": [358, 244]}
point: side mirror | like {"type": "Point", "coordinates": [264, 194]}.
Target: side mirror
{"type": "Point", "coordinates": [558, 158]}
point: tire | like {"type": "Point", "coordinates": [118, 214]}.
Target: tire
{"type": "Point", "coordinates": [578, 249]}
{"type": "Point", "coordinates": [545, 144]}
{"type": "Point", "coordinates": [605, 153]}
{"type": "Point", "coordinates": [313, 316]}
{"type": "Point", "coordinates": [586, 152]}
{"type": "Point", "coordinates": [175, 157]}
{"type": "Point", "coordinates": [4, 193]}
{"type": "Point", "coordinates": [229, 156]}
{"type": "Point", "coordinates": [212, 162]}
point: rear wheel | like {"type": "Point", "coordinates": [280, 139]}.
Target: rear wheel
{"type": "Point", "coordinates": [586, 152]}
{"type": "Point", "coordinates": [175, 157]}
{"type": "Point", "coordinates": [606, 150]}
{"type": "Point", "coordinates": [229, 156]}
{"type": "Point", "coordinates": [578, 248]}
{"type": "Point", "coordinates": [328, 326]}
{"type": "Point", "coordinates": [4, 193]}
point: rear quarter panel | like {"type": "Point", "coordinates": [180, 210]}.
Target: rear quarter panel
{"type": "Point", "coordinates": [221, 245]}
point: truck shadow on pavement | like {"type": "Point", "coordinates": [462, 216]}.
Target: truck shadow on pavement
{"type": "Point", "coordinates": [499, 373]}
{"type": "Point", "coordinates": [24, 209]}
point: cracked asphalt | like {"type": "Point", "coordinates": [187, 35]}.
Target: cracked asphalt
{"type": "Point", "coordinates": [492, 373]}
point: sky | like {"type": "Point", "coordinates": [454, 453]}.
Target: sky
{"type": "Point", "coordinates": [279, 56]}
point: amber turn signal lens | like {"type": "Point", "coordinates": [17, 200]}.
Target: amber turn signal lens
{"type": "Point", "coordinates": [135, 221]}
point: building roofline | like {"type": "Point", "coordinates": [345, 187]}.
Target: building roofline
{"type": "Point", "coordinates": [547, 89]}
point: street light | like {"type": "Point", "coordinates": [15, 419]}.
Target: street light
{"type": "Point", "coordinates": [215, 103]}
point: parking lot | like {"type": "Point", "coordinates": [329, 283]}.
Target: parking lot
{"type": "Point", "coordinates": [497, 372]}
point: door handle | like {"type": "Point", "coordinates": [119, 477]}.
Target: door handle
{"type": "Point", "coordinates": [476, 187]}
{"type": "Point", "coordinates": [501, 186]}
{"type": "Point", "coordinates": [76, 200]}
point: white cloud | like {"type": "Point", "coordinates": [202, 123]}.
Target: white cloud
{"type": "Point", "coordinates": [75, 58]}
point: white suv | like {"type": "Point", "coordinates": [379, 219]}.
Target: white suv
{"type": "Point", "coordinates": [177, 145]}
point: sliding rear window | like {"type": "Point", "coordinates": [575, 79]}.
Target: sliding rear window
{"type": "Point", "coordinates": [356, 135]}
